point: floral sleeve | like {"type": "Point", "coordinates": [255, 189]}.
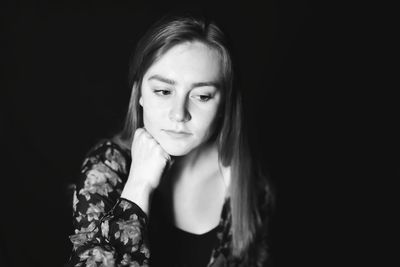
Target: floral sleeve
{"type": "Point", "coordinates": [109, 230]}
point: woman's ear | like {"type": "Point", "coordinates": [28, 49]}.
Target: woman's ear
{"type": "Point", "coordinates": [141, 101]}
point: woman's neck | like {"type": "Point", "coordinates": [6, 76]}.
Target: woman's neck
{"type": "Point", "coordinates": [198, 190]}
{"type": "Point", "coordinates": [205, 157]}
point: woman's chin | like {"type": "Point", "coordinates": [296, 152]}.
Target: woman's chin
{"type": "Point", "coordinates": [176, 152]}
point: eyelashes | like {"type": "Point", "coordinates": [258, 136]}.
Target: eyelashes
{"type": "Point", "coordinates": [203, 98]}
{"type": "Point", "coordinates": [161, 92]}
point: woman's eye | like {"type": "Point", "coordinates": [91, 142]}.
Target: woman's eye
{"type": "Point", "coordinates": [203, 98]}
{"type": "Point", "coordinates": [161, 92]}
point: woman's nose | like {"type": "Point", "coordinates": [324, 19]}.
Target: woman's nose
{"type": "Point", "coordinates": [179, 112]}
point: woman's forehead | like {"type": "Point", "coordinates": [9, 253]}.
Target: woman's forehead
{"type": "Point", "coordinates": [190, 62]}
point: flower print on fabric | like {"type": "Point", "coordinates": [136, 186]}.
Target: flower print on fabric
{"type": "Point", "coordinates": [129, 231]}
{"type": "Point", "coordinates": [97, 256]}
{"type": "Point", "coordinates": [102, 220]}
{"type": "Point", "coordinates": [95, 210]}
{"type": "Point", "coordinates": [100, 180]}
{"type": "Point", "coordinates": [83, 235]}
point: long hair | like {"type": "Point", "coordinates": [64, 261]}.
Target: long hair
{"type": "Point", "coordinates": [230, 135]}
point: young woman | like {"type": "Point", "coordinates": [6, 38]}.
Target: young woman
{"type": "Point", "coordinates": [177, 186]}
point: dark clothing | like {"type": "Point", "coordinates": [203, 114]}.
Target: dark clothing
{"type": "Point", "coordinates": [171, 244]}
{"type": "Point", "coordinates": [113, 231]}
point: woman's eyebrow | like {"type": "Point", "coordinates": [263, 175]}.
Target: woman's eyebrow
{"type": "Point", "coordinates": [201, 84]}
{"type": "Point", "coordinates": [162, 79]}
{"type": "Point", "coordinates": [172, 82]}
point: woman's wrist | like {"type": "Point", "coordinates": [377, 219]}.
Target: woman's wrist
{"type": "Point", "coordinates": [138, 194]}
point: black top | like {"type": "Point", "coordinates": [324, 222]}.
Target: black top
{"type": "Point", "coordinates": [194, 250]}
{"type": "Point", "coordinates": [174, 245]}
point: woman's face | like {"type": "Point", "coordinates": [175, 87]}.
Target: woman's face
{"type": "Point", "coordinates": [180, 97]}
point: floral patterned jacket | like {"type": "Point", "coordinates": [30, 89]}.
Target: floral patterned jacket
{"type": "Point", "coordinates": [111, 231]}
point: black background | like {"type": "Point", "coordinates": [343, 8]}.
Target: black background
{"type": "Point", "coordinates": [65, 86]}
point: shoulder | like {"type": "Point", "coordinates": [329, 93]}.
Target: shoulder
{"type": "Point", "coordinates": [110, 154]}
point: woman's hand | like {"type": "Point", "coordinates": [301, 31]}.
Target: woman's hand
{"type": "Point", "coordinates": [148, 162]}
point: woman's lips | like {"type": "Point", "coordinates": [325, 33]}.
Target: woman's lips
{"type": "Point", "coordinates": [177, 134]}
